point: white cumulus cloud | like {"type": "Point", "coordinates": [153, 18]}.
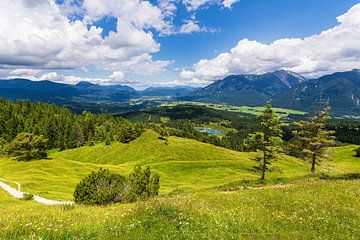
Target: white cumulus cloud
{"type": "Point", "coordinates": [335, 49]}
{"type": "Point", "coordinates": [192, 5]}
{"type": "Point", "coordinates": [39, 35]}
{"type": "Point", "coordinates": [117, 75]}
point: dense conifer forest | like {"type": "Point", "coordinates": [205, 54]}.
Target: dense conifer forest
{"type": "Point", "coordinates": [62, 128]}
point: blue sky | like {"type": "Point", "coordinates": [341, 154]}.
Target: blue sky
{"type": "Point", "coordinates": [176, 42]}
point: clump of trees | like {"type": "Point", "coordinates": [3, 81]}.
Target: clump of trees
{"type": "Point", "coordinates": [27, 146]}
{"type": "Point", "coordinates": [104, 187]}
{"type": "Point", "coordinates": [268, 140]}
{"type": "Point", "coordinates": [310, 140]}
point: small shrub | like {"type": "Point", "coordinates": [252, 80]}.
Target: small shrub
{"type": "Point", "coordinates": [357, 154]}
{"type": "Point", "coordinates": [28, 196]}
{"type": "Point", "coordinates": [100, 187]}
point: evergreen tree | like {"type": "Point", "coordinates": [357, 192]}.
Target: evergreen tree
{"type": "Point", "coordinates": [79, 137]}
{"type": "Point", "coordinates": [268, 139]}
{"type": "Point", "coordinates": [90, 141]}
{"type": "Point", "coordinates": [27, 146]}
{"type": "Point", "coordinates": [314, 137]}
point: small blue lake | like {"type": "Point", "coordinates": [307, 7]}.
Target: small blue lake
{"type": "Point", "coordinates": [210, 131]}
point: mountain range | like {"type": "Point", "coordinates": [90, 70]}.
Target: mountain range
{"type": "Point", "coordinates": [176, 91]}
{"type": "Point", "coordinates": [252, 90]}
{"type": "Point", "coordinates": [60, 93]}
{"type": "Point", "coordinates": [285, 89]}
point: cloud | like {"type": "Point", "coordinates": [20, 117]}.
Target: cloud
{"type": "Point", "coordinates": [117, 75]}
{"type": "Point", "coordinates": [336, 49]}
{"type": "Point", "coordinates": [229, 3]}
{"type": "Point", "coordinates": [192, 5]}
{"type": "Point", "coordinates": [190, 27]}
{"type": "Point", "coordinates": [52, 76]}
{"type": "Point", "coordinates": [168, 8]}
{"type": "Point", "coordinates": [142, 14]}
{"type": "Point", "coordinates": [24, 71]}
{"type": "Point", "coordinates": [183, 82]}
{"type": "Point", "coordinates": [37, 34]}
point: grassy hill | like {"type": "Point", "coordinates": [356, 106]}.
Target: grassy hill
{"type": "Point", "coordinates": [183, 164]}
{"type": "Point", "coordinates": [197, 198]}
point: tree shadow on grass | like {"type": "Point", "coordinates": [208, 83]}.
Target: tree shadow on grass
{"type": "Point", "coordinates": [33, 160]}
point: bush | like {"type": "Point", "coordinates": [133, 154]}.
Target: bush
{"type": "Point", "coordinates": [357, 152]}
{"type": "Point", "coordinates": [142, 184]}
{"type": "Point", "coordinates": [103, 187]}
{"type": "Point", "coordinates": [28, 196]}
{"type": "Point", "coordinates": [100, 187]}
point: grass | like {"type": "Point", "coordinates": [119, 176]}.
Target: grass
{"type": "Point", "coordinates": [183, 164]}
{"type": "Point", "coordinates": [281, 112]}
{"type": "Point", "coordinates": [193, 203]}
{"type": "Point", "coordinates": [302, 211]}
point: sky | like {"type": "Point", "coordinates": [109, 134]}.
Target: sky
{"type": "Point", "coordinates": [175, 42]}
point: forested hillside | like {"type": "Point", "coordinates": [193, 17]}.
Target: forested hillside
{"type": "Point", "coordinates": [62, 128]}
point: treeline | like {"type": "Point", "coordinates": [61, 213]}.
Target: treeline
{"type": "Point", "coordinates": [346, 131]}
{"type": "Point", "coordinates": [60, 127]}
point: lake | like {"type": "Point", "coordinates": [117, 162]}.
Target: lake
{"type": "Point", "coordinates": [210, 131]}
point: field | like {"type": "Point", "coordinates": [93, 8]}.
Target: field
{"type": "Point", "coordinates": [281, 112]}
{"type": "Point", "coordinates": [206, 193]}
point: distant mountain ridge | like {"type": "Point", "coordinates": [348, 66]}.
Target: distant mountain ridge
{"type": "Point", "coordinates": [250, 90]}
{"type": "Point", "coordinates": [340, 90]}
{"type": "Point", "coordinates": [47, 91]}
{"type": "Point", "coordinates": [175, 91]}
{"type": "Point", "coordinates": [286, 89]}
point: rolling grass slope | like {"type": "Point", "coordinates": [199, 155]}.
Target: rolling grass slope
{"type": "Point", "coordinates": [192, 203]}
{"type": "Point", "coordinates": [183, 164]}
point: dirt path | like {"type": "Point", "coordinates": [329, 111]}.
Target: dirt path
{"type": "Point", "coordinates": [18, 194]}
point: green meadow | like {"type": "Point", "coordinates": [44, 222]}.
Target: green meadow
{"type": "Point", "coordinates": [207, 192]}
{"type": "Point", "coordinates": [281, 112]}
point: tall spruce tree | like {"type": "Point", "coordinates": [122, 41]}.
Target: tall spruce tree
{"type": "Point", "coordinates": [314, 137]}
{"type": "Point", "coordinates": [268, 140]}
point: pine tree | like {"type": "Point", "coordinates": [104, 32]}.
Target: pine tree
{"type": "Point", "coordinates": [27, 146]}
{"type": "Point", "coordinates": [314, 137]}
{"type": "Point", "coordinates": [268, 139]}
{"type": "Point", "coordinates": [79, 137]}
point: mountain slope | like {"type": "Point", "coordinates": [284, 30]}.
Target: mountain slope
{"type": "Point", "coordinates": [340, 90]}
{"type": "Point", "coordinates": [47, 91]}
{"type": "Point", "coordinates": [167, 91]}
{"type": "Point", "coordinates": [249, 90]}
